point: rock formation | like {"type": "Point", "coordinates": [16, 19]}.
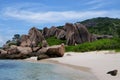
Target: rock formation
{"type": "Point", "coordinates": [45, 32]}
{"type": "Point", "coordinates": [76, 33]}
{"type": "Point", "coordinates": [35, 36]}
{"type": "Point", "coordinates": [62, 35]}
{"type": "Point", "coordinates": [50, 52]}
{"type": "Point", "coordinates": [25, 41]}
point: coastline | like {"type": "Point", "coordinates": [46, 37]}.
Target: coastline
{"type": "Point", "coordinates": [97, 63]}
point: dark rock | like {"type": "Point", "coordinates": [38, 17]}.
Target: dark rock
{"type": "Point", "coordinates": [113, 72]}
{"type": "Point", "coordinates": [45, 32]}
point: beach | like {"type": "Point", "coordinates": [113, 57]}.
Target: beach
{"type": "Point", "coordinates": [97, 62]}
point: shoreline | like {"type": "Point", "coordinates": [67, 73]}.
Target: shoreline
{"type": "Point", "coordinates": [97, 63]}
{"type": "Point", "coordinates": [49, 61]}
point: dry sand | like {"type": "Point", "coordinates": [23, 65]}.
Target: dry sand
{"type": "Point", "coordinates": [99, 62]}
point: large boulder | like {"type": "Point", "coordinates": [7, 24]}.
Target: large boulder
{"type": "Point", "coordinates": [45, 32]}
{"type": "Point", "coordinates": [69, 28]}
{"type": "Point", "coordinates": [76, 33]}
{"type": "Point", "coordinates": [24, 50]}
{"type": "Point", "coordinates": [56, 51]}
{"type": "Point", "coordinates": [25, 41]}
{"type": "Point", "coordinates": [82, 32]}
{"type": "Point", "coordinates": [52, 31]}
{"type": "Point", "coordinates": [35, 37]}
{"type": "Point", "coordinates": [50, 52]}
{"type": "Point", "coordinates": [57, 32]}
{"type": "Point", "coordinates": [71, 39]}
{"type": "Point", "coordinates": [13, 50]}
{"type": "Point", "coordinates": [3, 51]}
{"type": "Point", "coordinates": [62, 35]}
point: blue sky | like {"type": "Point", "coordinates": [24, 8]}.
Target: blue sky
{"type": "Point", "coordinates": [18, 16]}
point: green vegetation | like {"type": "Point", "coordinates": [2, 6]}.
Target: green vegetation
{"type": "Point", "coordinates": [103, 26]}
{"type": "Point", "coordinates": [103, 44]}
{"type": "Point", "coordinates": [54, 41]}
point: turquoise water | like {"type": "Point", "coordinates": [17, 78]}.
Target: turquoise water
{"type": "Point", "coordinates": [19, 70]}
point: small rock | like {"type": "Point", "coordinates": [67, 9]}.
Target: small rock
{"type": "Point", "coordinates": [113, 72]}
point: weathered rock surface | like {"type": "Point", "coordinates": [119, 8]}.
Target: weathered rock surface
{"type": "Point", "coordinates": [76, 33]}
{"type": "Point", "coordinates": [45, 32]}
{"type": "Point", "coordinates": [82, 32]}
{"type": "Point", "coordinates": [44, 43]}
{"type": "Point", "coordinates": [35, 36]}
{"type": "Point", "coordinates": [3, 51]}
{"type": "Point", "coordinates": [25, 41]}
{"type": "Point", "coordinates": [62, 35]}
{"type": "Point", "coordinates": [55, 51]}
{"type": "Point", "coordinates": [50, 52]}
{"type": "Point", "coordinates": [53, 31]}
{"type": "Point", "coordinates": [24, 50]}
{"type": "Point", "coordinates": [69, 28]}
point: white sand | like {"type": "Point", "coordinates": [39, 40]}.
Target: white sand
{"type": "Point", "coordinates": [100, 62]}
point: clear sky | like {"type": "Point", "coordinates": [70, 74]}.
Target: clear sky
{"type": "Point", "coordinates": [18, 16]}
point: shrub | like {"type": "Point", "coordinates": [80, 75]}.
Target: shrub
{"type": "Point", "coordinates": [103, 44]}
{"type": "Point", "coordinates": [54, 41]}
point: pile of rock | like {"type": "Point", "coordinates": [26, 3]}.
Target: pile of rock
{"type": "Point", "coordinates": [73, 33]}
{"type": "Point", "coordinates": [29, 47]}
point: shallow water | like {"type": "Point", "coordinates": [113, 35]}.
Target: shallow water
{"type": "Point", "coordinates": [19, 70]}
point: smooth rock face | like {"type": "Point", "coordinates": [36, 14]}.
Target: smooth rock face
{"type": "Point", "coordinates": [69, 28]}
{"type": "Point", "coordinates": [45, 32]}
{"type": "Point", "coordinates": [3, 51]}
{"type": "Point", "coordinates": [56, 51]}
{"type": "Point", "coordinates": [25, 41]}
{"type": "Point", "coordinates": [83, 32]}
{"type": "Point", "coordinates": [35, 36]}
{"type": "Point", "coordinates": [76, 33]}
{"type": "Point", "coordinates": [62, 35]}
{"type": "Point", "coordinates": [52, 31]}
{"type": "Point", "coordinates": [57, 32]}
{"type": "Point", "coordinates": [71, 39]}
{"type": "Point", "coordinates": [24, 50]}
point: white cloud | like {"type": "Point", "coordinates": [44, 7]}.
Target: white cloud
{"type": "Point", "coordinates": [93, 2]}
{"type": "Point", "coordinates": [97, 4]}
{"type": "Point", "coordinates": [54, 16]}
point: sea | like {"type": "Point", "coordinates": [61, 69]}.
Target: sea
{"type": "Point", "coordinates": [22, 70]}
